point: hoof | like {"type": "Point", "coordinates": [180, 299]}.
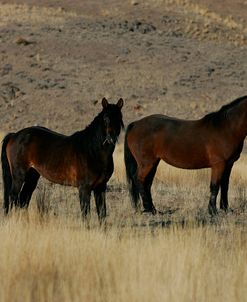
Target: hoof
{"type": "Point", "coordinates": [151, 211]}
{"type": "Point", "coordinates": [228, 210]}
{"type": "Point", "coordinates": [161, 213]}
{"type": "Point", "coordinates": [212, 211]}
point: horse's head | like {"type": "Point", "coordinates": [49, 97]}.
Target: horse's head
{"type": "Point", "coordinates": [112, 120]}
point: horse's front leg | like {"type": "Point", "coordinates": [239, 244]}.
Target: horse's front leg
{"type": "Point", "coordinates": [216, 176]}
{"type": "Point", "coordinates": [84, 195]}
{"type": "Point", "coordinates": [214, 189]}
{"type": "Point", "coordinates": [224, 188]}
{"type": "Point", "coordinates": [99, 195]}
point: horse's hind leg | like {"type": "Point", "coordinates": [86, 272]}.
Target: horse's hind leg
{"type": "Point", "coordinates": [99, 195]}
{"type": "Point", "coordinates": [224, 188]}
{"type": "Point", "coordinates": [29, 186]}
{"type": "Point", "coordinates": [17, 184]}
{"type": "Point", "coordinates": [145, 178]}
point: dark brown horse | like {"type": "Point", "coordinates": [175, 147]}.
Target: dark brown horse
{"type": "Point", "coordinates": [83, 160]}
{"type": "Point", "coordinates": [214, 141]}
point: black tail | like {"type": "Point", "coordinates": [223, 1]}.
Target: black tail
{"type": "Point", "coordinates": [131, 171]}
{"type": "Point", "coordinates": [7, 178]}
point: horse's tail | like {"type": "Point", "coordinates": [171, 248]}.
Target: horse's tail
{"type": "Point", "coordinates": [6, 173]}
{"type": "Point", "coordinates": [131, 171]}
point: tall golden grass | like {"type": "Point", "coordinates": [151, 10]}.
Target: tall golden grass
{"type": "Point", "coordinates": [61, 260]}
{"type": "Point", "coordinates": [132, 257]}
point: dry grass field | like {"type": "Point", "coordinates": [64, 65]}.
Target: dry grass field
{"type": "Point", "coordinates": [178, 57]}
{"type": "Point", "coordinates": [182, 255]}
{"type": "Point", "coordinates": [58, 259]}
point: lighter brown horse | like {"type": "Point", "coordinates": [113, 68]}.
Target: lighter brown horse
{"type": "Point", "coordinates": [214, 141]}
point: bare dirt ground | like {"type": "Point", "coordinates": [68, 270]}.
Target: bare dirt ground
{"type": "Point", "coordinates": [176, 57]}
{"type": "Point", "coordinates": [59, 58]}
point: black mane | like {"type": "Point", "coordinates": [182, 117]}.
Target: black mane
{"type": "Point", "coordinates": [218, 116]}
{"type": "Point", "coordinates": [92, 137]}
{"type": "Point", "coordinates": [91, 131]}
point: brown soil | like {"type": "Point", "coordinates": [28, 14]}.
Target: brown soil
{"type": "Point", "coordinates": [180, 58]}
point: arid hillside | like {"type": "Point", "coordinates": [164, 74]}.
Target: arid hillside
{"type": "Point", "coordinates": [177, 57]}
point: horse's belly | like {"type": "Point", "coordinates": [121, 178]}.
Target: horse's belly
{"type": "Point", "coordinates": [66, 177]}
{"type": "Point", "coordinates": [187, 162]}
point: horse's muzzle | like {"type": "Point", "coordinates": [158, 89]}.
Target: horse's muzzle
{"type": "Point", "coordinates": [109, 140]}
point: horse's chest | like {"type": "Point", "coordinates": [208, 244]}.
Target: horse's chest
{"type": "Point", "coordinates": [103, 172]}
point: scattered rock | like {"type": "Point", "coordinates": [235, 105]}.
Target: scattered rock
{"type": "Point", "coordinates": [164, 91]}
{"type": "Point", "coordinates": [141, 27]}
{"type": "Point", "coordinates": [210, 71]}
{"type": "Point", "coordinates": [10, 91]}
{"type": "Point", "coordinates": [6, 69]}
{"type": "Point", "coordinates": [125, 51]}
{"type": "Point", "coordinates": [193, 105]}
{"type": "Point", "coordinates": [23, 41]}
{"type": "Point", "coordinates": [169, 20]}
{"type": "Point", "coordinates": [138, 107]}
{"type": "Point", "coordinates": [61, 86]}
{"type": "Point", "coordinates": [134, 3]}
{"type": "Point", "coordinates": [124, 26]}
{"type": "Point", "coordinates": [48, 84]}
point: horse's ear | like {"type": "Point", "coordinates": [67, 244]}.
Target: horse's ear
{"type": "Point", "coordinates": [120, 103]}
{"type": "Point", "coordinates": [104, 103]}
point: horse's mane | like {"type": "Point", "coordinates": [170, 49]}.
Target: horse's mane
{"type": "Point", "coordinates": [220, 115]}
{"type": "Point", "coordinates": [90, 136]}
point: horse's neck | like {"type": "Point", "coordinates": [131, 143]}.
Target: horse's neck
{"type": "Point", "coordinates": [103, 155]}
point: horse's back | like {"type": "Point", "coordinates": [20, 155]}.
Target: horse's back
{"type": "Point", "coordinates": [38, 135]}
{"type": "Point", "coordinates": [51, 154]}
{"type": "Point", "coordinates": [159, 123]}
{"type": "Point", "coordinates": [38, 142]}
{"type": "Point", "coordinates": [39, 131]}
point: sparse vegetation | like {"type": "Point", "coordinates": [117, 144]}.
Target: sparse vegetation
{"type": "Point", "coordinates": [58, 259]}
{"type": "Point", "coordinates": [180, 256]}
